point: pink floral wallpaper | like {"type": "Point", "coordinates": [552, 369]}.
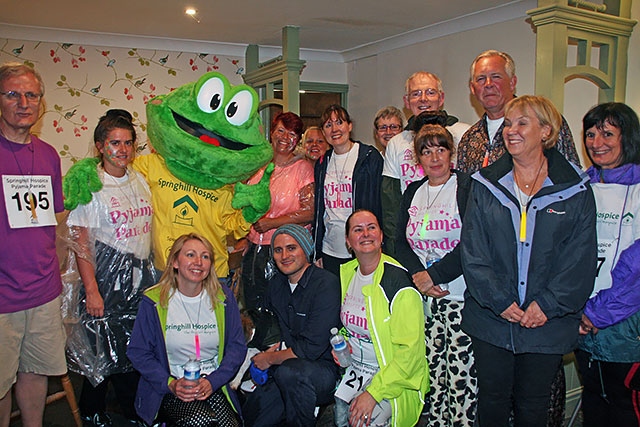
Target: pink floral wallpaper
{"type": "Point", "coordinates": [82, 82]}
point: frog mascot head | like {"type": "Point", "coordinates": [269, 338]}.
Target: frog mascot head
{"type": "Point", "coordinates": [209, 132]}
{"type": "Point", "coordinates": [208, 139]}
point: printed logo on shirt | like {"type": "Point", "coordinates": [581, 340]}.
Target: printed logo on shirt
{"type": "Point", "coordinates": [408, 154]}
{"type": "Point", "coordinates": [608, 217]}
{"type": "Point", "coordinates": [338, 195]}
{"type": "Point", "coordinates": [129, 215]}
{"type": "Point", "coordinates": [435, 224]}
{"type": "Point", "coordinates": [185, 209]}
{"type": "Point", "coordinates": [354, 319]}
{"type": "Point", "coordinates": [199, 327]}
{"type": "Point", "coordinates": [182, 186]}
{"type": "Point", "coordinates": [553, 211]}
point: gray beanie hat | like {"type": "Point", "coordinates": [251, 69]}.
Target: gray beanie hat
{"type": "Point", "coordinates": [301, 234]}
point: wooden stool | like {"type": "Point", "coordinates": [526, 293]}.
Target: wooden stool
{"type": "Point", "coordinates": [67, 391]}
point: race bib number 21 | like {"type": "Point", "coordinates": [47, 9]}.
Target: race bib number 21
{"type": "Point", "coordinates": [355, 380]}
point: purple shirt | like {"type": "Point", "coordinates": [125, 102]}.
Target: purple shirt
{"type": "Point", "coordinates": [29, 270]}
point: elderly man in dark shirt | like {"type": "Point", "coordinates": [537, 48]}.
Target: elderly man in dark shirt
{"type": "Point", "coordinates": [306, 300]}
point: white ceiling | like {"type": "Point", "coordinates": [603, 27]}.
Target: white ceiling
{"type": "Point", "coordinates": [337, 26]}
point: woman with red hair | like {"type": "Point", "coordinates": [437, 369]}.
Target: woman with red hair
{"type": "Point", "coordinates": [292, 188]}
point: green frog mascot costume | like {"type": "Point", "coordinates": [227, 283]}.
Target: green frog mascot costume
{"type": "Point", "coordinates": [208, 139]}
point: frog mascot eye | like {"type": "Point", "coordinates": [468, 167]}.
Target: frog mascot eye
{"type": "Point", "coordinates": [209, 132]}
{"type": "Point", "coordinates": [211, 95]}
{"type": "Point", "coordinates": [239, 108]}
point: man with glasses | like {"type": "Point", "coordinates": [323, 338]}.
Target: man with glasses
{"type": "Point", "coordinates": [387, 124]}
{"type": "Point", "coordinates": [423, 92]}
{"type": "Point", "coordinates": [31, 334]}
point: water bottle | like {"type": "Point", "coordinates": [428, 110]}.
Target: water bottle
{"type": "Point", "coordinates": [431, 258]}
{"type": "Point", "coordinates": [192, 369]}
{"type": "Point", "coordinates": [340, 348]}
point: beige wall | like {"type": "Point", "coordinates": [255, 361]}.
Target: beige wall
{"type": "Point", "coordinates": [379, 80]}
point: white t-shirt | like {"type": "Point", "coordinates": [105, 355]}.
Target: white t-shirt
{"type": "Point", "coordinates": [338, 201]}
{"type": "Point", "coordinates": [186, 317]}
{"type": "Point", "coordinates": [120, 214]}
{"type": "Point", "coordinates": [354, 319]}
{"type": "Point", "coordinates": [617, 210]}
{"type": "Point", "coordinates": [440, 232]}
{"type": "Point", "coordinates": [493, 126]}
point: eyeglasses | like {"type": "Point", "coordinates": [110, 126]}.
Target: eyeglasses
{"type": "Point", "coordinates": [14, 96]}
{"type": "Point", "coordinates": [430, 93]}
{"type": "Point", "coordinates": [392, 128]}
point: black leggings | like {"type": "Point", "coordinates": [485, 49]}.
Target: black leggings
{"type": "Point", "coordinates": [93, 399]}
{"type": "Point", "coordinates": [605, 399]}
{"type": "Point", "coordinates": [507, 381]}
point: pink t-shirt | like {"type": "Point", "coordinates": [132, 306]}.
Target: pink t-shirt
{"type": "Point", "coordinates": [285, 185]}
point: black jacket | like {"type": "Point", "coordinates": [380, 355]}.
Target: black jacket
{"type": "Point", "coordinates": [307, 315]}
{"type": "Point", "coordinates": [556, 265]}
{"type": "Point", "coordinates": [367, 179]}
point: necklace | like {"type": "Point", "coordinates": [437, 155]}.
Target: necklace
{"type": "Point", "coordinates": [287, 162]}
{"type": "Point", "coordinates": [425, 219]}
{"type": "Point", "coordinates": [523, 205]}
{"type": "Point", "coordinates": [132, 204]}
{"type": "Point", "coordinates": [31, 196]}
{"type": "Point", "coordinates": [339, 177]}
{"type": "Point", "coordinates": [26, 140]}
{"type": "Point", "coordinates": [196, 337]}
{"type": "Point", "coordinates": [344, 165]}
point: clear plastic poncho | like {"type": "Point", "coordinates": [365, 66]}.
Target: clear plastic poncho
{"type": "Point", "coordinates": [111, 238]}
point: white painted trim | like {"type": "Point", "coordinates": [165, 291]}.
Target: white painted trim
{"type": "Point", "coordinates": [23, 32]}
{"type": "Point", "coordinates": [506, 12]}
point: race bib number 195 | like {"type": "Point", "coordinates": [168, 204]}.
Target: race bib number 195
{"type": "Point", "coordinates": [28, 200]}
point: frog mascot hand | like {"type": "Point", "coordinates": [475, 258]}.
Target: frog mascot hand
{"type": "Point", "coordinates": [208, 138]}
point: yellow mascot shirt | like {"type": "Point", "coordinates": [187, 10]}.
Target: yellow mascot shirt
{"type": "Point", "coordinates": [181, 208]}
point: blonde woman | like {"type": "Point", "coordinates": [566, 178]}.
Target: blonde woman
{"type": "Point", "coordinates": [314, 144]}
{"type": "Point", "coordinates": [188, 313]}
{"type": "Point", "coordinates": [528, 248]}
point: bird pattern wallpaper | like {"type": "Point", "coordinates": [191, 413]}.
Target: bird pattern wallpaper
{"type": "Point", "coordinates": [82, 82]}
